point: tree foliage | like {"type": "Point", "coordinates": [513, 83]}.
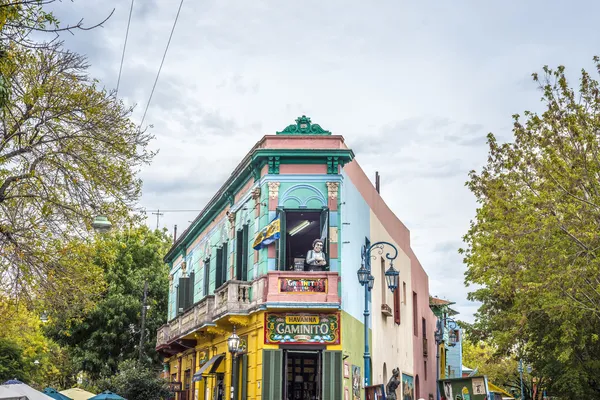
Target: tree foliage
{"type": "Point", "coordinates": [137, 382]}
{"type": "Point", "coordinates": [533, 246]}
{"type": "Point", "coordinates": [110, 333]}
{"type": "Point", "coordinates": [12, 364]}
{"type": "Point", "coordinates": [68, 151]}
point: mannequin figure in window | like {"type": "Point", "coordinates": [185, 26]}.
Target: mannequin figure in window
{"type": "Point", "coordinates": [316, 258]}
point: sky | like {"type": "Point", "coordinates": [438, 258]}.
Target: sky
{"type": "Point", "coordinates": [413, 86]}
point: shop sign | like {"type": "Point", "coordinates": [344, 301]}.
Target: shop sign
{"type": "Point", "coordinates": [297, 328]}
{"type": "Point", "coordinates": [303, 285]}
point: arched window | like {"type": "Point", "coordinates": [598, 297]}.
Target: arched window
{"type": "Point", "coordinates": [417, 387]}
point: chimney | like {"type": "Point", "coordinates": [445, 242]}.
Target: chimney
{"type": "Point", "coordinates": [377, 181]}
{"type": "Point", "coordinates": [175, 234]}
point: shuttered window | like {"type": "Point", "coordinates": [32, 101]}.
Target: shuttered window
{"type": "Point", "coordinates": [243, 392]}
{"type": "Point", "coordinates": [241, 249]}
{"type": "Point", "coordinates": [397, 306]}
{"type": "Point", "coordinates": [332, 375]}
{"type": "Point", "coordinates": [272, 374]}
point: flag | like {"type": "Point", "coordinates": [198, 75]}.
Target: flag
{"type": "Point", "coordinates": [267, 235]}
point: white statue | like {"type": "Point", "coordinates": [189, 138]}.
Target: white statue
{"type": "Point", "coordinates": [316, 257]}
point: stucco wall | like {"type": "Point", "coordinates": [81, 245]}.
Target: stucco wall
{"type": "Point", "coordinates": [419, 281]}
{"type": "Point", "coordinates": [393, 343]}
{"type": "Point", "coordinates": [354, 221]}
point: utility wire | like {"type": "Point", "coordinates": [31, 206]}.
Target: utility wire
{"type": "Point", "coordinates": [161, 64]}
{"type": "Point", "coordinates": [124, 47]}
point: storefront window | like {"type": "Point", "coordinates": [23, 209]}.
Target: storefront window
{"type": "Point", "coordinates": [305, 244]}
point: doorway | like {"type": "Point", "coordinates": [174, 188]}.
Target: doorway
{"type": "Point", "coordinates": [302, 375]}
{"type": "Point", "coordinates": [219, 390]}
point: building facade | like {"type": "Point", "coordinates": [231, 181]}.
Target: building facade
{"type": "Point", "coordinates": [252, 261]}
{"type": "Point", "coordinates": [450, 335]}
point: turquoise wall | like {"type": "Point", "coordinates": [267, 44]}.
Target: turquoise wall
{"type": "Point", "coordinates": [454, 359]}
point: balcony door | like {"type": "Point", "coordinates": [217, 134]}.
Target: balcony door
{"type": "Point", "coordinates": [299, 229]}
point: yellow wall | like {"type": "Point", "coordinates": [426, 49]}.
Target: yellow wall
{"type": "Point", "coordinates": [216, 342]}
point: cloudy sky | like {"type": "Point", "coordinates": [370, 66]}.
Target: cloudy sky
{"type": "Point", "coordinates": [414, 87]}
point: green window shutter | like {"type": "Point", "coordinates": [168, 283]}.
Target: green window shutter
{"type": "Point", "coordinates": [225, 267]}
{"type": "Point", "coordinates": [192, 282]}
{"type": "Point", "coordinates": [332, 375]}
{"type": "Point", "coordinates": [206, 276]}
{"type": "Point", "coordinates": [281, 243]}
{"type": "Point", "coordinates": [177, 302]}
{"type": "Point", "coordinates": [219, 269]}
{"type": "Point", "coordinates": [239, 254]}
{"type": "Point", "coordinates": [244, 253]}
{"type": "Point", "coordinates": [244, 389]}
{"type": "Point", "coordinates": [272, 374]}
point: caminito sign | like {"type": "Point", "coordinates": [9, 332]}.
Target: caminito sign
{"type": "Point", "coordinates": [302, 285]}
{"type": "Point", "coordinates": [296, 328]}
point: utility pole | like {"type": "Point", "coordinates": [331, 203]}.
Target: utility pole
{"type": "Point", "coordinates": [158, 214]}
{"type": "Point", "coordinates": [143, 329]}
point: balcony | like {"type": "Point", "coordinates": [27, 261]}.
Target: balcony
{"type": "Point", "coordinates": [232, 298]}
{"type": "Point", "coordinates": [277, 289]}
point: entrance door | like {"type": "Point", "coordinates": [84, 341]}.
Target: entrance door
{"type": "Point", "coordinates": [301, 375]}
{"type": "Point", "coordinates": [219, 390]}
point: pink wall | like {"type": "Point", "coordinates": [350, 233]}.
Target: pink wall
{"type": "Point", "coordinates": [303, 169]}
{"type": "Point", "coordinates": [419, 279]}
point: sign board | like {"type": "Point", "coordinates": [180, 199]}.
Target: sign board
{"type": "Point", "coordinates": [302, 328]}
{"type": "Point", "coordinates": [467, 388]}
{"type": "Point", "coordinates": [302, 285]}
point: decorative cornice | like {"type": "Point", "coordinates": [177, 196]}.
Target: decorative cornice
{"type": "Point", "coordinates": [274, 189]}
{"type": "Point", "coordinates": [304, 126]}
{"type": "Point", "coordinates": [332, 189]}
{"type": "Point", "coordinates": [256, 194]}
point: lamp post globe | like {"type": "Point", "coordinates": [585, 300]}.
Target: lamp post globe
{"type": "Point", "coordinates": [392, 277]}
{"type": "Point", "coordinates": [363, 275]}
{"type": "Point", "coordinates": [233, 342]}
{"type": "Point", "coordinates": [101, 224]}
{"type": "Point", "coordinates": [371, 282]}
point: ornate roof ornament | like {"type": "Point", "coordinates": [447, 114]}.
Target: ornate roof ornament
{"type": "Point", "coordinates": [303, 126]}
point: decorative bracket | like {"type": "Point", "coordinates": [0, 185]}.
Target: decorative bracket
{"type": "Point", "coordinates": [332, 165]}
{"type": "Point", "coordinates": [274, 165]}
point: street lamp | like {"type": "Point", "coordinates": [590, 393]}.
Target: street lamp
{"type": "Point", "coordinates": [367, 280]}
{"type": "Point", "coordinates": [233, 344]}
{"type": "Point", "coordinates": [453, 339]}
{"type": "Point", "coordinates": [101, 224]}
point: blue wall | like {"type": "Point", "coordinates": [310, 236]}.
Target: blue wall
{"type": "Point", "coordinates": [454, 359]}
{"type": "Point", "coordinates": [355, 212]}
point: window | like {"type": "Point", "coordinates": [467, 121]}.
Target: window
{"type": "Point", "coordinates": [241, 253]}
{"type": "Point", "coordinates": [404, 292]}
{"type": "Point", "coordinates": [397, 306]}
{"type": "Point", "coordinates": [206, 276]}
{"type": "Point", "coordinates": [221, 270]}
{"type": "Point", "coordinates": [415, 315]}
{"type": "Point", "coordinates": [383, 282]}
{"type": "Point", "coordinates": [299, 229]}
{"type": "Point", "coordinates": [425, 367]}
{"type": "Point", "coordinates": [424, 327]}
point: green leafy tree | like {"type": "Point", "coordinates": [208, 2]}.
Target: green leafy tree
{"type": "Point", "coordinates": [137, 382]}
{"type": "Point", "coordinates": [533, 247]}
{"type": "Point", "coordinates": [110, 333]}
{"type": "Point", "coordinates": [12, 364]}
{"type": "Point", "coordinates": [68, 151]}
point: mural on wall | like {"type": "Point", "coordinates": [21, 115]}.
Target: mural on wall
{"type": "Point", "coordinates": [356, 382]}
{"type": "Point", "coordinates": [408, 387]}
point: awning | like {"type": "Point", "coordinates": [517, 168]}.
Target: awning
{"type": "Point", "coordinates": [216, 360]}
{"type": "Point", "coordinates": [499, 390]}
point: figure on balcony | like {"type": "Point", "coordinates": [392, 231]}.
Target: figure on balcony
{"type": "Point", "coordinates": [393, 384]}
{"type": "Point", "coordinates": [316, 258]}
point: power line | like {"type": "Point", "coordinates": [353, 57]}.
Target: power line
{"type": "Point", "coordinates": [124, 47]}
{"type": "Point", "coordinates": [161, 64]}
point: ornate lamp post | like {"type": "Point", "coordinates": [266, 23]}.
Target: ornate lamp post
{"type": "Point", "coordinates": [233, 344]}
{"type": "Point", "coordinates": [453, 339]}
{"type": "Point", "coordinates": [367, 280]}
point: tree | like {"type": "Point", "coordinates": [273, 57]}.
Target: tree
{"type": "Point", "coordinates": [110, 333]}
{"type": "Point", "coordinates": [533, 246]}
{"type": "Point", "coordinates": [12, 365]}
{"type": "Point", "coordinates": [68, 152]}
{"type": "Point", "coordinates": [137, 382]}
